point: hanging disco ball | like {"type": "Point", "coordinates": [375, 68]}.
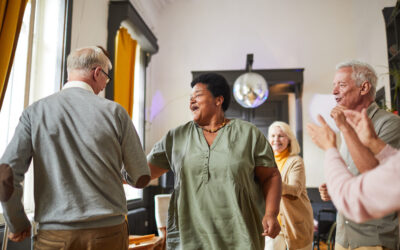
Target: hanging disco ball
{"type": "Point", "coordinates": [250, 90]}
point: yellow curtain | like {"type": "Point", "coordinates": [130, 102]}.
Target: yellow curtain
{"type": "Point", "coordinates": [11, 14]}
{"type": "Point", "coordinates": [124, 73]}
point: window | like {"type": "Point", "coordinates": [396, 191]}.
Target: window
{"type": "Point", "coordinates": [138, 109]}
{"type": "Point", "coordinates": [39, 50]}
{"type": "Point", "coordinates": [123, 14]}
{"type": "Point", "coordinates": [13, 103]}
{"type": "Point", "coordinates": [14, 99]}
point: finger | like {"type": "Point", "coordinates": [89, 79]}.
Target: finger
{"type": "Point", "coordinates": [353, 116]}
{"type": "Point", "coordinates": [14, 238]}
{"type": "Point", "coordinates": [312, 129]}
{"type": "Point", "coordinates": [340, 108]}
{"type": "Point", "coordinates": [265, 226]}
{"type": "Point", "coordinates": [364, 114]}
{"type": "Point", "coordinates": [351, 122]}
{"type": "Point", "coordinates": [26, 234]}
{"type": "Point", "coordinates": [11, 236]}
{"type": "Point", "coordinates": [322, 120]}
{"type": "Point", "coordinates": [275, 231]}
{"type": "Point", "coordinates": [311, 126]}
{"type": "Point", "coordinates": [351, 113]}
{"type": "Point", "coordinates": [332, 112]}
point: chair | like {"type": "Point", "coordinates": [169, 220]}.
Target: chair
{"type": "Point", "coordinates": [324, 219]}
{"type": "Point", "coordinates": [161, 212]}
{"type": "Point", "coordinates": [326, 228]}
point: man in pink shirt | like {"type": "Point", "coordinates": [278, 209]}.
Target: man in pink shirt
{"type": "Point", "coordinates": [370, 195]}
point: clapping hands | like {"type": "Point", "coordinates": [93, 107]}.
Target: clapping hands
{"type": "Point", "coordinates": [323, 136]}
{"type": "Point", "coordinates": [362, 124]}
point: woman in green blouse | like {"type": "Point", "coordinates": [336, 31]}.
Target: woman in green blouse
{"type": "Point", "coordinates": [227, 187]}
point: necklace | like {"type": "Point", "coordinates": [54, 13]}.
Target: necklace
{"type": "Point", "coordinates": [215, 130]}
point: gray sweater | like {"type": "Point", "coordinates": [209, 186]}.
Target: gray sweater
{"type": "Point", "coordinates": [81, 146]}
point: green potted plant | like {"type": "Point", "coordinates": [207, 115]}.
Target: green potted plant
{"type": "Point", "coordinates": [394, 72]}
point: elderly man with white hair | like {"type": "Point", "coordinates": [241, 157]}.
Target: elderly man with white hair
{"type": "Point", "coordinates": [83, 148]}
{"type": "Point", "coordinates": [354, 88]}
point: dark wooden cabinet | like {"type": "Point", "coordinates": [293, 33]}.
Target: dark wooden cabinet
{"type": "Point", "coordinates": [392, 22]}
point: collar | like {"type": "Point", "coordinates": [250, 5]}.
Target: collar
{"type": "Point", "coordinates": [282, 155]}
{"type": "Point", "coordinates": [372, 109]}
{"type": "Point", "coordinates": [78, 84]}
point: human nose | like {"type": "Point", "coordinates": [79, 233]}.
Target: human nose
{"type": "Point", "coordinates": [335, 89]}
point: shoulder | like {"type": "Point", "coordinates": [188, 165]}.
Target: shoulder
{"type": "Point", "coordinates": [295, 160]}
{"type": "Point", "coordinates": [41, 103]}
{"type": "Point", "coordinates": [181, 130]}
{"type": "Point", "coordinates": [241, 123]}
{"type": "Point", "coordinates": [295, 164]}
{"type": "Point", "coordinates": [380, 116]}
{"type": "Point", "coordinates": [387, 127]}
{"type": "Point", "coordinates": [114, 106]}
{"type": "Point", "coordinates": [244, 126]}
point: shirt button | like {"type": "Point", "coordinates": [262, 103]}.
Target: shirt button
{"type": "Point", "coordinates": [347, 222]}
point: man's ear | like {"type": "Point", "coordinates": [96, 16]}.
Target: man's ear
{"type": "Point", "coordinates": [96, 73]}
{"type": "Point", "coordinates": [365, 88]}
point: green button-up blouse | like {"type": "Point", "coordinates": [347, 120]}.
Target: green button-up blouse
{"type": "Point", "coordinates": [217, 202]}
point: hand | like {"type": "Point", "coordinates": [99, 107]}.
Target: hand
{"type": "Point", "coordinates": [339, 118]}
{"type": "Point", "coordinates": [363, 125]}
{"type": "Point", "coordinates": [323, 191]}
{"type": "Point", "coordinates": [18, 237]}
{"type": "Point", "coordinates": [271, 226]}
{"type": "Point", "coordinates": [323, 136]}
{"type": "Point", "coordinates": [336, 109]}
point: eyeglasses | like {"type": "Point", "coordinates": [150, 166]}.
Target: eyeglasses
{"type": "Point", "coordinates": [109, 78]}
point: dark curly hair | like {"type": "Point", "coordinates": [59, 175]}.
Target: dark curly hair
{"type": "Point", "coordinates": [217, 85]}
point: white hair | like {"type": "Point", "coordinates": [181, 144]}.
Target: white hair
{"type": "Point", "coordinates": [362, 72]}
{"type": "Point", "coordinates": [87, 58]}
{"type": "Point", "coordinates": [294, 146]}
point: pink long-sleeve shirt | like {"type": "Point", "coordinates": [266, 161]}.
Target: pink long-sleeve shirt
{"type": "Point", "coordinates": [370, 195]}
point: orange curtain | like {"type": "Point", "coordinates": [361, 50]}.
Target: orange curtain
{"type": "Point", "coordinates": [11, 14]}
{"type": "Point", "coordinates": [124, 73]}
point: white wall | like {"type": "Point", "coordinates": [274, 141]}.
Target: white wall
{"type": "Point", "coordinates": [217, 35]}
{"type": "Point", "coordinates": [89, 23]}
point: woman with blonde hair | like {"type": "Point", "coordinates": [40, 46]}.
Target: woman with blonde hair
{"type": "Point", "coordinates": [295, 215]}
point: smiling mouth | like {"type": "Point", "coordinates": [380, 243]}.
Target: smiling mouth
{"type": "Point", "coordinates": [338, 99]}
{"type": "Point", "coordinates": [194, 108]}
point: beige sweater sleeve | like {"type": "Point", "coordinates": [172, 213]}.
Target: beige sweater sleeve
{"type": "Point", "coordinates": [294, 179]}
